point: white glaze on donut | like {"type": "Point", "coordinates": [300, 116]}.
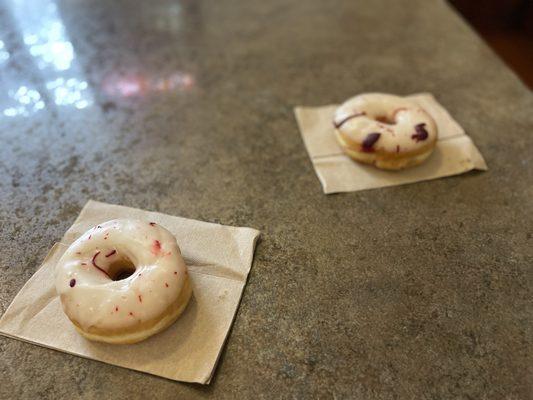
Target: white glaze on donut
{"type": "Point", "coordinates": [378, 122]}
{"type": "Point", "coordinates": [89, 295]}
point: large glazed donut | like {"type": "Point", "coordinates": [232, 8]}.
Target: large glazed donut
{"type": "Point", "coordinates": [123, 281]}
{"type": "Point", "coordinates": [388, 131]}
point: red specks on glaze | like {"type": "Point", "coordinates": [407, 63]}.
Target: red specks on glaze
{"type": "Point", "coordinates": [140, 298]}
{"type": "Point", "coordinates": [116, 308]}
{"type": "Point", "coordinates": [94, 263]}
{"type": "Point", "coordinates": [175, 272]}
{"type": "Point", "coordinates": [342, 121]}
{"type": "Point", "coordinates": [397, 148]}
{"type": "Point", "coordinates": [421, 133]}
{"type": "Point", "coordinates": [166, 284]}
{"type": "Point", "coordinates": [72, 283]}
{"type": "Point", "coordinates": [368, 144]}
{"type": "Point", "coordinates": [130, 313]}
{"type": "Point", "coordinates": [152, 223]}
{"type": "Point", "coordinates": [78, 252]}
{"type": "Point", "coordinates": [156, 246]}
{"type": "Point", "coordinates": [110, 253]}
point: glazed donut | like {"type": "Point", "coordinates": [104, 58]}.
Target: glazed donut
{"type": "Point", "coordinates": [123, 281]}
{"type": "Point", "coordinates": [388, 131]}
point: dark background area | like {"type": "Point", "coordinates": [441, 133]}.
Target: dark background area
{"type": "Point", "coordinates": [507, 26]}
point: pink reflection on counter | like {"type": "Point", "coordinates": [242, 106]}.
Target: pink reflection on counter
{"type": "Point", "coordinates": [136, 85]}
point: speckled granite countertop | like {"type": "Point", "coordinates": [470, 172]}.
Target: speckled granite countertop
{"type": "Point", "coordinates": [420, 291]}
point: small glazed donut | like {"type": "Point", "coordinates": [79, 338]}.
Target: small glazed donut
{"type": "Point", "coordinates": [388, 131]}
{"type": "Point", "coordinates": [123, 281]}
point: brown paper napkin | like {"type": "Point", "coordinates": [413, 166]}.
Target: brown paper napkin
{"type": "Point", "coordinates": [455, 153]}
{"type": "Point", "coordinates": [218, 257]}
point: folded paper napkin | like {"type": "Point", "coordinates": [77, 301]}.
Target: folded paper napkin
{"type": "Point", "coordinates": [455, 153]}
{"type": "Point", "coordinates": [218, 257]}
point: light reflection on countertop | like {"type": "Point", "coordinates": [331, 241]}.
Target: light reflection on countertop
{"type": "Point", "coordinates": [69, 92]}
{"type": "Point", "coordinates": [61, 78]}
{"type": "Point", "coordinates": [27, 101]}
{"type": "Point", "coordinates": [53, 76]}
{"type": "Point", "coordinates": [4, 55]}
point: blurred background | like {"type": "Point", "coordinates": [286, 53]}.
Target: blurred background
{"type": "Point", "coordinates": [507, 26]}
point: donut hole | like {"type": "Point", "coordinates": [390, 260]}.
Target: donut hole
{"type": "Point", "coordinates": [385, 119]}
{"type": "Point", "coordinates": [121, 269]}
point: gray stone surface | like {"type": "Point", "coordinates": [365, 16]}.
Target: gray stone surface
{"type": "Point", "coordinates": [420, 291]}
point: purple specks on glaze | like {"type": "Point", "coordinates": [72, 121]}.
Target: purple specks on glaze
{"type": "Point", "coordinates": [110, 253]}
{"type": "Point", "coordinates": [370, 140]}
{"type": "Point", "coordinates": [94, 260]}
{"type": "Point", "coordinates": [72, 282]}
{"type": "Point", "coordinates": [342, 121]}
{"type": "Point", "coordinates": [95, 265]}
{"type": "Point", "coordinates": [421, 133]}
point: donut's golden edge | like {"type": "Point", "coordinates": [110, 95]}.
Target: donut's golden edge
{"type": "Point", "coordinates": [383, 160]}
{"type": "Point", "coordinates": [144, 329]}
